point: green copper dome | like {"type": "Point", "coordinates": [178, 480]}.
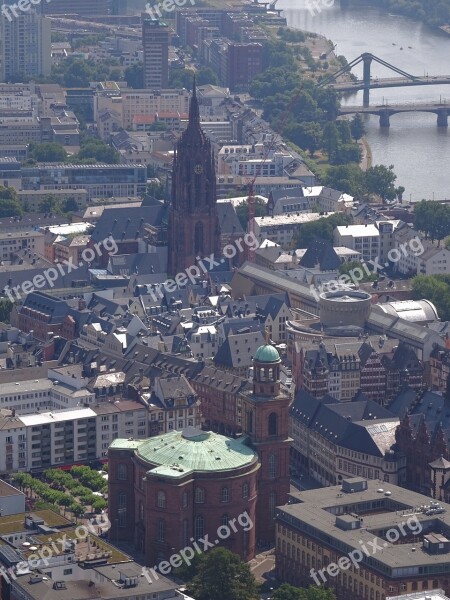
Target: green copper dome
{"type": "Point", "coordinates": [267, 354]}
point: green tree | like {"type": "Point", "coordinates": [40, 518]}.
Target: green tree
{"type": "Point", "coordinates": [50, 204]}
{"type": "Point", "coordinates": [345, 134]}
{"type": "Point", "coordinates": [47, 152]}
{"type": "Point", "coordinates": [207, 75]}
{"type": "Point", "coordinates": [99, 504]}
{"type": "Point", "coordinates": [242, 211]}
{"type": "Point", "coordinates": [289, 592]}
{"type": "Point", "coordinates": [347, 267]}
{"type": "Point", "coordinates": [181, 78]}
{"type": "Point", "coordinates": [435, 288]}
{"type": "Point", "coordinates": [307, 136]}
{"type": "Point", "coordinates": [357, 127]}
{"type": "Point", "coordinates": [69, 205]}
{"type": "Point", "coordinates": [380, 180]}
{"type": "Point", "coordinates": [222, 574]}
{"type": "Point", "coordinates": [134, 76]}
{"type": "Point", "coordinates": [433, 219]}
{"type": "Point", "coordinates": [330, 139]}
{"type": "Point", "coordinates": [323, 228]}
{"type": "Point", "coordinates": [94, 149]}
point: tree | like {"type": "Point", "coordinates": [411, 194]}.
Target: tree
{"type": "Point", "coordinates": [357, 127]}
{"type": "Point", "coordinates": [222, 574]}
{"type": "Point", "coordinates": [207, 75]}
{"type": "Point", "coordinates": [69, 205]}
{"type": "Point", "coordinates": [289, 592]}
{"type": "Point", "coordinates": [93, 148]}
{"type": "Point", "coordinates": [50, 204]}
{"type": "Point", "coordinates": [347, 267]}
{"type": "Point", "coordinates": [347, 178]}
{"type": "Point", "coordinates": [47, 152]}
{"type": "Point", "coordinates": [134, 76]}
{"type": "Point", "coordinates": [181, 78]}
{"type": "Point", "coordinates": [308, 136]}
{"type": "Point", "coordinates": [399, 192]}
{"type": "Point", "coordinates": [242, 211]}
{"type": "Point", "coordinates": [345, 134]}
{"type": "Point", "coordinates": [322, 228]}
{"type": "Point", "coordinates": [330, 139]}
{"type": "Point", "coordinates": [380, 180]}
{"type": "Point", "coordinates": [435, 288]}
{"type": "Point", "coordinates": [433, 219]}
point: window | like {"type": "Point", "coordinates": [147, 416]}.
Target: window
{"type": "Point", "coordinates": [122, 472]}
{"type": "Point", "coordinates": [141, 510]}
{"type": "Point", "coordinates": [67, 572]}
{"type": "Point", "coordinates": [161, 499]}
{"type": "Point", "coordinates": [272, 424]}
{"type": "Point", "coordinates": [198, 527]}
{"type": "Point", "coordinates": [185, 532]}
{"type": "Point", "coordinates": [272, 504]}
{"type": "Point", "coordinates": [273, 466]}
{"type": "Point", "coordinates": [225, 495]}
{"type": "Point", "coordinates": [161, 531]}
{"type": "Point", "coordinates": [224, 520]}
{"type": "Point", "coordinates": [245, 490]}
{"type": "Point", "coordinates": [199, 496]}
{"type": "Point", "coordinates": [122, 509]}
{"type": "Point", "coordinates": [184, 500]}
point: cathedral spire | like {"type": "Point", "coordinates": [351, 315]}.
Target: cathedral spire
{"type": "Point", "coordinates": [194, 111]}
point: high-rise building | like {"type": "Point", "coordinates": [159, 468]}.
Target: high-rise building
{"type": "Point", "coordinates": [83, 8]}
{"type": "Point", "coordinates": [193, 224]}
{"type": "Point", "coordinates": [155, 40]}
{"type": "Point", "coordinates": [25, 39]}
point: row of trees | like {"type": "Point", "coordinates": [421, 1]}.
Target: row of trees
{"type": "Point", "coordinates": [433, 219]}
{"type": "Point", "coordinates": [92, 150]}
{"type": "Point", "coordinates": [67, 491]}
{"type": "Point", "coordinates": [379, 180]}
{"type": "Point", "coordinates": [433, 12]}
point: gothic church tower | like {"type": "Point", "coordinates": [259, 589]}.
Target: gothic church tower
{"type": "Point", "coordinates": [193, 224]}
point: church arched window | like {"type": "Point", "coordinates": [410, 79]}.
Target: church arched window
{"type": "Point", "coordinates": [272, 424]}
{"type": "Point", "coordinates": [198, 238]}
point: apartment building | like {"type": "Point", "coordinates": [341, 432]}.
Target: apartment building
{"type": "Point", "coordinates": [65, 436]}
{"type": "Point", "coordinates": [282, 229]}
{"type": "Point", "coordinates": [26, 45]}
{"type": "Point", "coordinates": [363, 238]}
{"type": "Point", "coordinates": [173, 405]}
{"type": "Point", "coordinates": [333, 441]}
{"type": "Point", "coordinates": [331, 523]}
{"type": "Point", "coordinates": [11, 243]}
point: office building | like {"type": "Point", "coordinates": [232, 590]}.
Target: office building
{"type": "Point", "coordinates": [25, 45]}
{"type": "Point", "coordinates": [155, 40]}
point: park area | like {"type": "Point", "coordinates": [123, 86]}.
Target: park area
{"type": "Point", "coordinates": [82, 491]}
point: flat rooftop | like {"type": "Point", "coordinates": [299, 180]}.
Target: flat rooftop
{"type": "Point", "coordinates": [314, 513]}
{"type": "Point", "coordinates": [16, 523]}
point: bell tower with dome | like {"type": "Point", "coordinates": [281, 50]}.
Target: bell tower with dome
{"type": "Point", "coordinates": [265, 421]}
{"type": "Point", "coordinates": [193, 228]}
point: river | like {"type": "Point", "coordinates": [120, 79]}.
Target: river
{"type": "Point", "coordinates": [418, 149]}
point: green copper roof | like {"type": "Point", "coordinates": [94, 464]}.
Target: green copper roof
{"type": "Point", "coordinates": [191, 450]}
{"type": "Point", "coordinates": [267, 354]}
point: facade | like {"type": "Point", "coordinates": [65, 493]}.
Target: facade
{"type": "Point", "coordinates": [166, 491]}
{"type": "Point", "coordinates": [26, 45]}
{"type": "Point", "coordinates": [99, 181]}
{"type": "Point", "coordinates": [193, 224]}
{"type": "Point", "coordinates": [333, 441]}
{"type": "Point", "coordinates": [282, 229]}
{"type": "Point", "coordinates": [155, 40]}
{"type": "Point", "coordinates": [12, 500]}
{"type": "Point", "coordinates": [363, 238]}
{"type": "Point", "coordinates": [332, 522]}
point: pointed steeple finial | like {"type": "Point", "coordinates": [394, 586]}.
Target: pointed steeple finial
{"type": "Point", "coordinates": [194, 111]}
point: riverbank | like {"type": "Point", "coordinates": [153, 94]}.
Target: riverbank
{"type": "Point", "coordinates": [366, 159]}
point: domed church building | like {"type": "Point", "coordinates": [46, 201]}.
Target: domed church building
{"type": "Point", "coordinates": [167, 492]}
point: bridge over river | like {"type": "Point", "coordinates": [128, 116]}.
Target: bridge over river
{"type": "Point", "coordinates": [368, 82]}
{"type": "Point", "coordinates": [385, 111]}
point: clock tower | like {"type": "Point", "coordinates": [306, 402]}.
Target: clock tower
{"type": "Point", "coordinates": [193, 224]}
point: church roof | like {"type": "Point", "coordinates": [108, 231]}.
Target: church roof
{"type": "Point", "coordinates": [267, 354]}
